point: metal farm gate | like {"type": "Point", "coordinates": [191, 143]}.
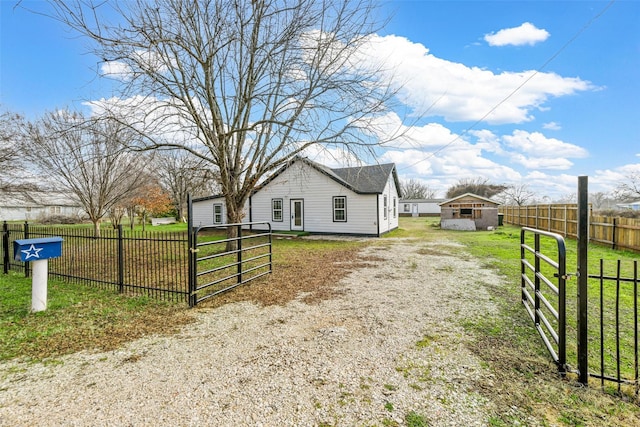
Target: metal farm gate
{"type": "Point", "coordinates": [218, 263]}
{"type": "Point", "coordinates": [604, 339]}
{"type": "Point", "coordinates": [225, 256]}
{"type": "Point", "coordinates": [544, 291]}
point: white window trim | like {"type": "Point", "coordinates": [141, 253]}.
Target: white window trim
{"type": "Point", "coordinates": [274, 210]}
{"type": "Point", "coordinates": [215, 214]}
{"type": "Point", "coordinates": [385, 207]}
{"type": "Point", "coordinates": [339, 209]}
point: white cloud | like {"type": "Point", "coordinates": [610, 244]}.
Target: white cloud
{"type": "Point", "coordinates": [432, 86]}
{"type": "Point", "coordinates": [116, 70]}
{"type": "Point", "coordinates": [537, 144]}
{"type": "Point", "coordinates": [525, 34]}
{"type": "Point", "coordinates": [551, 126]}
{"type": "Point", "coordinates": [390, 128]}
{"type": "Point", "coordinates": [553, 186]}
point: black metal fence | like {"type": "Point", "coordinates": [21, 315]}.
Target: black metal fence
{"type": "Point", "coordinates": [611, 299]}
{"type": "Point", "coordinates": [148, 263]}
{"type": "Point", "coordinates": [617, 315]}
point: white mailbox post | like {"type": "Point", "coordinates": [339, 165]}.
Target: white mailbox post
{"type": "Point", "coordinates": [38, 251]}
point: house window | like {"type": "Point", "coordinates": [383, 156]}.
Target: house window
{"type": "Point", "coordinates": [217, 213]}
{"type": "Point", "coordinates": [407, 207]}
{"type": "Point", "coordinates": [395, 209]}
{"type": "Point", "coordinates": [276, 210]}
{"type": "Point", "coordinates": [340, 209]}
{"type": "Point", "coordinates": [385, 207]}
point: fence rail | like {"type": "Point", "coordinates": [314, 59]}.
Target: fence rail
{"type": "Point", "coordinates": [619, 233]}
{"type": "Point", "coordinates": [147, 263]}
{"type": "Point", "coordinates": [617, 349]}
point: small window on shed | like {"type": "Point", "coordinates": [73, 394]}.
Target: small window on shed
{"type": "Point", "coordinates": [407, 207]}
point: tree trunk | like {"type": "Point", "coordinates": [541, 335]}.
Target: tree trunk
{"type": "Point", "coordinates": [234, 216]}
{"type": "Point", "coordinates": [96, 227]}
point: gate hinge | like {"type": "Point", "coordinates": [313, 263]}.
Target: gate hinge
{"type": "Point", "coordinates": [566, 276]}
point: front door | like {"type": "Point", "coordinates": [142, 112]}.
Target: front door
{"type": "Point", "coordinates": [297, 214]}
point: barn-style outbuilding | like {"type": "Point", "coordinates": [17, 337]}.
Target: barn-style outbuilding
{"type": "Point", "coordinates": [469, 212]}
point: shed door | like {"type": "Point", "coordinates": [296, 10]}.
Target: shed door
{"type": "Point", "coordinates": [297, 214]}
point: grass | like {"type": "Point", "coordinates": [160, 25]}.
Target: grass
{"type": "Point", "coordinates": [529, 391]}
{"type": "Point", "coordinates": [77, 318]}
{"type": "Point", "coordinates": [524, 390]}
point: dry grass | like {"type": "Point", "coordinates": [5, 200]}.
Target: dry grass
{"type": "Point", "coordinates": [301, 268]}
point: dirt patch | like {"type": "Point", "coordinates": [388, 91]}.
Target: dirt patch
{"type": "Point", "coordinates": [313, 274]}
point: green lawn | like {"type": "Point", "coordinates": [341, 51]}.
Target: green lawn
{"type": "Point", "coordinates": [527, 390]}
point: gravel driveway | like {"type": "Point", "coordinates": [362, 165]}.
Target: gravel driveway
{"type": "Point", "coordinates": [387, 349]}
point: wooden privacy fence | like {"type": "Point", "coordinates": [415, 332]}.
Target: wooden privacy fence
{"type": "Point", "coordinates": [619, 233]}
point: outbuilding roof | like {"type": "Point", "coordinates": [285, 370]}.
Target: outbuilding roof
{"type": "Point", "coordinates": [462, 196]}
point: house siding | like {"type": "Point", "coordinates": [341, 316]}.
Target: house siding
{"type": "Point", "coordinates": [35, 205]}
{"type": "Point", "coordinates": [391, 221]}
{"type": "Point", "coordinates": [425, 208]}
{"type": "Point", "coordinates": [202, 210]}
{"type": "Point", "coordinates": [299, 182]}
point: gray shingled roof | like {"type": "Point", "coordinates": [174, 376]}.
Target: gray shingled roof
{"type": "Point", "coordinates": [366, 179]}
{"type": "Point", "coordinates": [360, 179]}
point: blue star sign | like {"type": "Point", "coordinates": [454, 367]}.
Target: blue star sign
{"type": "Point", "coordinates": [37, 249]}
{"type": "Point", "coordinates": [32, 252]}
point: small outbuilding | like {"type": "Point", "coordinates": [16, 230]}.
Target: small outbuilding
{"type": "Point", "coordinates": [420, 207]}
{"type": "Point", "coordinates": [469, 212]}
{"type": "Point", "coordinates": [634, 206]}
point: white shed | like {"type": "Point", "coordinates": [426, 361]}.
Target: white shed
{"type": "Point", "coordinates": [420, 207]}
{"type": "Point", "coordinates": [307, 196]}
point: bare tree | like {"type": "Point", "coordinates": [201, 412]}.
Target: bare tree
{"type": "Point", "coordinates": [180, 173]}
{"type": "Point", "coordinates": [602, 201]}
{"type": "Point", "coordinates": [478, 186]}
{"type": "Point", "coordinates": [414, 189]}
{"type": "Point", "coordinates": [251, 84]}
{"type": "Point", "coordinates": [629, 189]}
{"type": "Point", "coordinates": [12, 165]}
{"type": "Point", "coordinates": [87, 158]}
{"type": "Point", "coordinates": [516, 194]}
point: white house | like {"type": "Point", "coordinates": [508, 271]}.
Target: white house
{"type": "Point", "coordinates": [635, 206]}
{"type": "Point", "coordinates": [37, 204]}
{"type": "Point", "coordinates": [307, 196]}
{"type": "Point", "coordinates": [420, 207]}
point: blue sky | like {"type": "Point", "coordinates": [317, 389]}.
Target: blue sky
{"type": "Point", "coordinates": [518, 92]}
